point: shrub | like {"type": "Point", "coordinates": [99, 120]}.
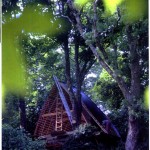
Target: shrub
{"type": "Point", "coordinates": [84, 138]}
{"type": "Point", "coordinates": [17, 139]}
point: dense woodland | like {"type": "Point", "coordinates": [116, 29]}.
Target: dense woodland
{"type": "Point", "coordinates": [101, 51]}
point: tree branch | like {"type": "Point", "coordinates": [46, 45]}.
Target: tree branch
{"type": "Point", "coordinates": [118, 79]}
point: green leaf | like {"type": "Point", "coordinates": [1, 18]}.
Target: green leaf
{"type": "Point", "coordinates": [33, 20]}
{"type": "Point", "coordinates": [146, 98]}
{"type": "Point", "coordinates": [111, 5]}
{"type": "Point", "coordinates": [13, 73]}
{"type": "Point", "coordinates": [80, 2]}
{"type": "Point", "coordinates": [3, 95]}
{"type": "Point", "coordinates": [135, 10]}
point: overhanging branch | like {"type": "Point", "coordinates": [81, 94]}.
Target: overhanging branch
{"type": "Point", "coordinates": [118, 79]}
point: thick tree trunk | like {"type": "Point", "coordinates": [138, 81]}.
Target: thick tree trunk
{"type": "Point", "coordinates": [22, 112]}
{"type": "Point", "coordinates": [133, 122]}
{"type": "Point", "coordinates": [133, 134]}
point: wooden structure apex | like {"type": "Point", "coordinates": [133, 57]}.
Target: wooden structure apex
{"type": "Point", "coordinates": [56, 115]}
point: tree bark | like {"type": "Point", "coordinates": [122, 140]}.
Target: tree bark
{"type": "Point", "coordinates": [133, 133]}
{"type": "Point", "coordinates": [69, 83]}
{"type": "Point", "coordinates": [78, 80]}
{"type": "Point", "coordinates": [133, 121]}
{"type": "Point", "coordinates": [22, 111]}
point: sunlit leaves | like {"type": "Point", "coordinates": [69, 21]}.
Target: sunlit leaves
{"type": "Point", "coordinates": [136, 9]}
{"type": "Point", "coordinates": [80, 3]}
{"type": "Point", "coordinates": [105, 76]}
{"type": "Point", "coordinates": [3, 95]}
{"type": "Point", "coordinates": [111, 5]}
{"type": "Point", "coordinates": [46, 55]}
{"type": "Point", "coordinates": [146, 98]}
{"type": "Point", "coordinates": [34, 20]}
{"type": "Point", "coordinates": [13, 74]}
{"type": "Point", "coordinates": [107, 90]}
{"type": "Point", "coordinates": [132, 10]}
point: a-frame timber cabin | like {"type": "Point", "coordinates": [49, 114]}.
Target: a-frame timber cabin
{"type": "Point", "coordinates": [56, 119]}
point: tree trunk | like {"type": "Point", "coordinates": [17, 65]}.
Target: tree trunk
{"type": "Point", "coordinates": [22, 111]}
{"type": "Point", "coordinates": [133, 122]}
{"type": "Point", "coordinates": [78, 81]}
{"type": "Point", "coordinates": [133, 134]}
{"type": "Point", "coordinates": [69, 83]}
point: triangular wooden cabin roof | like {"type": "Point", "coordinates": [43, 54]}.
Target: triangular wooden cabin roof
{"type": "Point", "coordinates": [56, 115]}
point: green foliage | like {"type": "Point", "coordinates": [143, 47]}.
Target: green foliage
{"type": "Point", "coordinates": [107, 90]}
{"type": "Point", "coordinates": [83, 138]}
{"type": "Point", "coordinates": [13, 73]}
{"type": "Point", "coordinates": [16, 139]}
{"type": "Point", "coordinates": [87, 137]}
{"type": "Point", "coordinates": [84, 129]}
{"type": "Point", "coordinates": [43, 59]}
{"type": "Point", "coordinates": [133, 10]}
{"type": "Point", "coordinates": [111, 6]}
{"type": "Point", "coordinates": [146, 97]}
{"type": "Point", "coordinates": [11, 114]}
{"type": "Point", "coordinates": [80, 3]}
{"type": "Point", "coordinates": [3, 95]}
{"type": "Point", "coordinates": [34, 19]}
{"type": "Point", "coordinates": [120, 120]}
